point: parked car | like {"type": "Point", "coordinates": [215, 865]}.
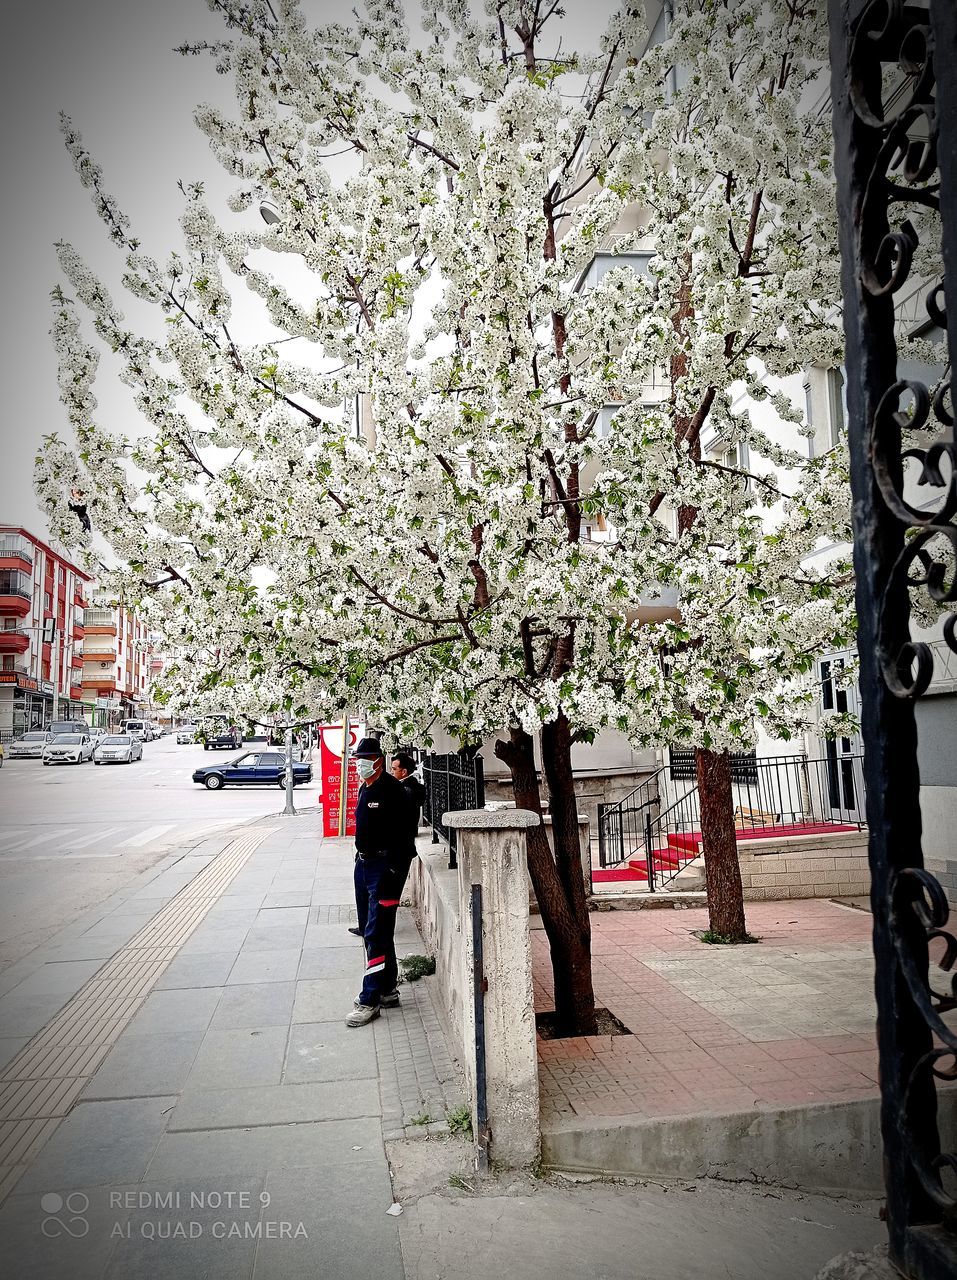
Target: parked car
{"type": "Point", "coordinates": [230, 738]}
{"type": "Point", "coordinates": [68, 748]}
{"type": "Point", "coordinates": [29, 745]}
{"type": "Point", "coordinates": [186, 733]}
{"type": "Point", "coordinates": [118, 748]}
{"type": "Point", "coordinates": [137, 728]}
{"type": "Point", "coordinates": [255, 768]}
{"type": "Point", "coordinates": [68, 726]}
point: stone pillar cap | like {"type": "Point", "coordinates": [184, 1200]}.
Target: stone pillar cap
{"type": "Point", "coordinates": [490, 819]}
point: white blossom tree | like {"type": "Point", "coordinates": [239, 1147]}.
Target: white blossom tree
{"type": "Point", "coordinates": [439, 198]}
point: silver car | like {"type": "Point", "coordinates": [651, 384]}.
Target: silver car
{"type": "Point", "coordinates": [29, 745]}
{"type": "Point", "coordinates": [186, 733]}
{"type": "Point", "coordinates": [68, 748]}
{"type": "Point", "coordinates": [118, 748]}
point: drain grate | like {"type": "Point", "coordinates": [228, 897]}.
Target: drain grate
{"type": "Point", "coordinates": [40, 1085]}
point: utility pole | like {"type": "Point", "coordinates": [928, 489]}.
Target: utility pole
{"type": "Point", "coordinates": [290, 775]}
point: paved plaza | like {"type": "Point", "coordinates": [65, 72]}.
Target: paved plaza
{"type": "Point", "coordinates": [787, 1021]}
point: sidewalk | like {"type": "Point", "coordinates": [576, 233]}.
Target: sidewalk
{"type": "Point", "coordinates": [180, 1096]}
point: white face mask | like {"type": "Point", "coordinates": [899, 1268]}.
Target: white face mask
{"type": "Point", "coordinates": [366, 769]}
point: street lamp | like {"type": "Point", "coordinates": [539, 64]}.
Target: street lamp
{"type": "Point", "coordinates": [269, 214]}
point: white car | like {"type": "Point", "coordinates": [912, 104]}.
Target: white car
{"type": "Point", "coordinates": [118, 748]}
{"type": "Point", "coordinates": [29, 745]}
{"type": "Point", "coordinates": [68, 748]}
{"type": "Point", "coordinates": [186, 733]}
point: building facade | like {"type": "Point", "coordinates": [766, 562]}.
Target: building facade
{"type": "Point", "coordinates": [116, 662]}
{"type": "Point", "coordinates": [40, 680]}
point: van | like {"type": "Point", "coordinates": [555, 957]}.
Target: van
{"type": "Point", "coordinates": [68, 726]}
{"type": "Point", "coordinates": [135, 728]}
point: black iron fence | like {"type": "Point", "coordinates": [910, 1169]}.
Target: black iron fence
{"type": "Point", "coordinates": [662, 827]}
{"type": "Point", "coordinates": [452, 781]}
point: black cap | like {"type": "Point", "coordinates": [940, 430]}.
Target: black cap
{"type": "Point", "coordinates": [368, 749]}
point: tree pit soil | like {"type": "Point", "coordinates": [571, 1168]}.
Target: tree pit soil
{"type": "Point", "coordinates": [608, 1025]}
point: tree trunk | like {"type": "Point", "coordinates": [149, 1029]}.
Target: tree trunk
{"type": "Point", "coordinates": [719, 841]}
{"type": "Point", "coordinates": [563, 908]}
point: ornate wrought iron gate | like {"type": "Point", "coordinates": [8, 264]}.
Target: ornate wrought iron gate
{"type": "Point", "coordinates": [894, 76]}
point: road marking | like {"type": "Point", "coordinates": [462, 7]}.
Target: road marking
{"type": "Point", "coordinates": [52, 835]}
{"type": "Point", "coordinates": [10, 837]}
{"type": "Point", "coordinates": [145, 837]}
{"type": "Point", "coordinates": [97, 835]}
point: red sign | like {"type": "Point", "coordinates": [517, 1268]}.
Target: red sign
{"type": "Point", "coordinates": [14, 677]}
{"type": "Point", "coordinates": [330, 763]}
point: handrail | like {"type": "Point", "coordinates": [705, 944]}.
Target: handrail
{"type": "Point", "coordinates": [774, 792]}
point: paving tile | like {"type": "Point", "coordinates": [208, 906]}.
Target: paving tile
{"type": "Point", "coordinates": [142, 1065]}
{"type": "Point", "coordinates": [265, 966]}
{"type": "Point", "coordinates": [293, 916]}
{"type": "Point", "coordinates": [325, 1001]}
{"type": "Point", "coordinates": [281, 1104]}
{"type": "Point", "coordinates": [204, 969]}
{"type": "Point", "coordinates": [167, 1012]}
{"type": "Point", "coordinates": [321, 1199]}
{"type": "Point", "coordinates": [255, 1004]}
{"type": "Point", "coordinates": [24, 1015]}
{"type": "Point", "coordinates": [333, 962]}
{"type": "Point", "coordinates": [10, 1046]}
{"type": "Point", "coordinates": [241, 1152]}
{"type": "Point", "coordinates": [213, 937]}
{"type": "Point", "coordinates": [99, 1144]}
{"type": "Point", "coordinates": [240, 1058]}
{"type": "Point", "coordinates": [276, 937]}
{"type": "Point", "coordinates": [60, 977]}
{"type": "Point", "coordinates": [329, 1051]}
{"type": "Point", "coordinates": [217, 1248]}
{"type": "Point", "coordinates": [30, 1251]}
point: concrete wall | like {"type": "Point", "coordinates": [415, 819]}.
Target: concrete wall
{"type": "Point", "coordinates": [491, 853]}
{"type": "Point", "coordinates": [591, 789]}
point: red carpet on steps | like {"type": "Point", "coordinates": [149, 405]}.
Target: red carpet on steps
{"type": "Point", "coordinates": [688, 845]}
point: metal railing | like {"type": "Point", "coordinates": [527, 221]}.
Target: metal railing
{"type": "Point", "coordinates": [621, 826]}
{"type": "Point", "coordinates": [775, 793]}
{"type": "Point", "coordinates": [452, 781]}
{"type": "Point", "coordinates": [16, 547]}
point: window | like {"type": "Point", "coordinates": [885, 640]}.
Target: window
{"type": "Point", "coordinates": [744, 766]}
{"type": "Point", "coordinates": [47, 602]}
{"type": "Point", "coordinates": [8, 662]}
{"type": "Point", "coordinates": [836, 405]}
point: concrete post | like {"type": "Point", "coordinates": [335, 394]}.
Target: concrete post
{"type": "Point", "coordinates": [491, 852]}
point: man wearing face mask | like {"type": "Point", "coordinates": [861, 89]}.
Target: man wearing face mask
{"type": "Point", "coordinates": [382, 822]}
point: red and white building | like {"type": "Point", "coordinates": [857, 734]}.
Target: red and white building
{"type": "Point", "coordinates": [117, 662]}
{"type": "Point", "coordinates": [39, 583]}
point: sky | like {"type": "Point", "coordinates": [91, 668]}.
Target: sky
{"type": "Point", "coordinates": [110, 65]}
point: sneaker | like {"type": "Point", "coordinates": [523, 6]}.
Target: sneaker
{"type": "Point", "coordinates": [390, 1000]}
{"type": "Point", "coordinates": [361, 1014]}
{"type": "Point", "coordinates": [356, 930]}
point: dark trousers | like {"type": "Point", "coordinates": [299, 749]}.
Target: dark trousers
{"type": "Point", "coordinates": [362, 897]}
{"type": "Point", "coordinates": [381, 885]}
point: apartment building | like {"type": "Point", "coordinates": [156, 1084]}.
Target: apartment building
{"type": "Point", "coordinates": [40, 680]}
{"type": "Point", "coordinates": [116, 661]}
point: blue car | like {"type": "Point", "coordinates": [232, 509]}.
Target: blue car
{"type": "Point", "coordinates": [254, 769]}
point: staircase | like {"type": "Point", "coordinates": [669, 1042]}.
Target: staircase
{"type": "Point", "coordinates": [648, 837]}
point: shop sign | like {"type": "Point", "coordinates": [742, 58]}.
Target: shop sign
{"type": "Point", "coordinates": [14, 677]}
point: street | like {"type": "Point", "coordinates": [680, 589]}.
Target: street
{"type": "Point", "coordinates": [98, 827]}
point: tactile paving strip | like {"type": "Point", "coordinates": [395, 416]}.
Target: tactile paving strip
{"type": "Point", "coordinates": [40, 1085]}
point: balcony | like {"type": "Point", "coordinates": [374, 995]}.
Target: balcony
{"type": "Point", "coordinates": [99, 618]}
{"type": "Point", "coordinates": [15, 641]}
{"type": "Point", "coordinates": [15, 601]}
{"type": "Point", "coordinates": [16, 553]}
{"type": "Point", "coordinates": [77, 660]}
{"type": "Point", "coordinates": [98, 655]}
{"type": "Point", "coordinates": [99, 684]}
{"type": "Point", "coordinates": [79, 631]}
